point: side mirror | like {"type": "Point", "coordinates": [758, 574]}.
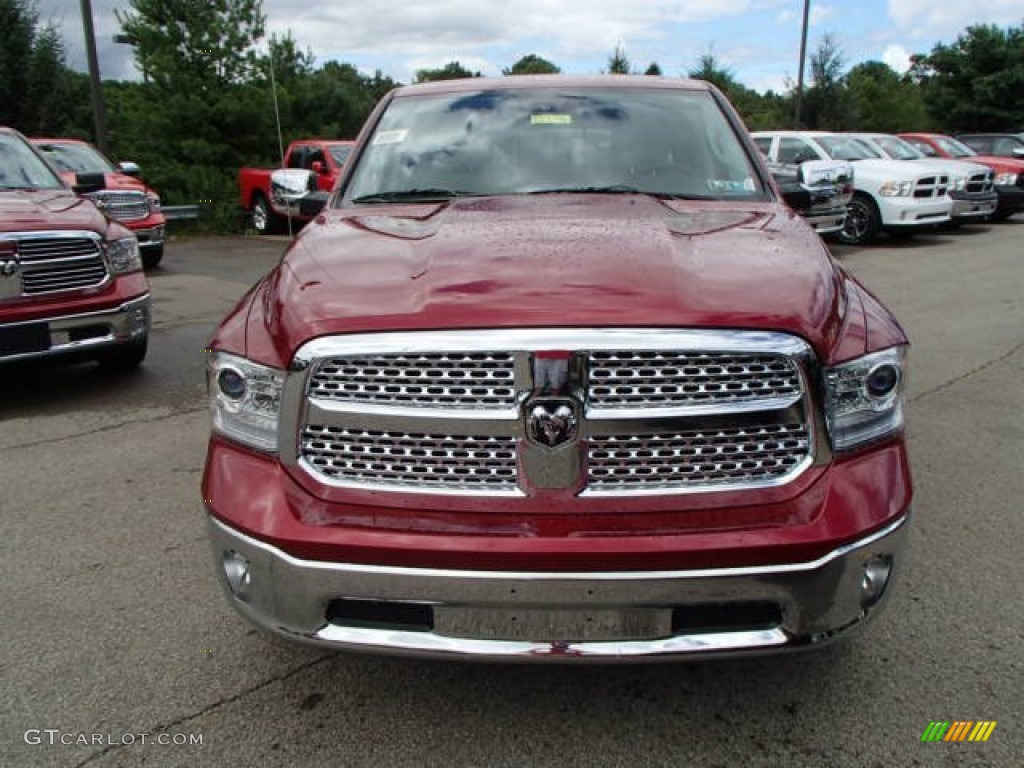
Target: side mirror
{"type": "Point", "coordinates": [797, 198]}
{"type": "Point", "coordinates": [86, 183]}
{"type": "Point", "coordinates": [1017, 151]}
{"type": "Point", "coordinates": [129, 168]}
{"type": "Point", "coordinates": [319, 168]}
{"type": "Point", "coordinates": [311, 205]}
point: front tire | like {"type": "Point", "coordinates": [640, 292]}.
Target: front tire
{"type": "Point", "coordinates": [863, 221]}
{"type": "Point", "coordinates": [124, 357]}
{"type": "Point", "coordinates": [264, 220]}
{"type": "Point", "coordinates": [152, 256]}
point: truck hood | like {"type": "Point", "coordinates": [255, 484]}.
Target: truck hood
{"type": "Point", "coordinates": [35, 210]}
{"type": "Point", "coordinates": [555, 261]}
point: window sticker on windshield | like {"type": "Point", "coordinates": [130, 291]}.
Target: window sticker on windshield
{"type": "Point", "coordinates": [390, 137]}
{"type": "Point", "coordinates": [548, 119]}
{"type": "Point", "coordinates": [726, 186]}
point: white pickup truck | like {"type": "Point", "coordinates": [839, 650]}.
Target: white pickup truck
{"type": "Point", "coordinates": [888, 194]}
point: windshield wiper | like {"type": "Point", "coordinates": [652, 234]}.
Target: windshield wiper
{"type": "Point", "coordinates": [618, 189]}
{"type": "Point", "coordinates": [413, 195]}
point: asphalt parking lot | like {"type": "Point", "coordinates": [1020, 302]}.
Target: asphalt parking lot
{"type": "Point", "coordinates": [115, 631]}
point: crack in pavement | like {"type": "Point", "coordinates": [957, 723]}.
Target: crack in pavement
{"type": "Point", "coordinates": [106, 428]}
{"type": "Point", "coordinates": [964, 376]}
{"type": "Point", "coordinates": [165, 727]}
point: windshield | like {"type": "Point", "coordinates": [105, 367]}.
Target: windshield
{"type": "Point", "coordinates": [76, 158]}
{"type": "Point", "coordinates": [897, 148]}
{"type": "Point", "coordinates": [954, 148]}
{"type": "Point", "coordinates": [669, 143]}
{"type": "Point", "coordinates": [340, 154]}
{"type": "Point", "coordinates": [21, 168]}
{"type": "Point", "coordinates": [846, 148]}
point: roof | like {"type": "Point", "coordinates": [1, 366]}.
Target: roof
{"type": "Point", "coordinates": [515, 82]}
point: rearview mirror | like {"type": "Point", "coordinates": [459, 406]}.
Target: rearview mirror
{"type": "Point", "coordinates": [129, 168]}
{"type": "Point", "coordinates": [86, 183]}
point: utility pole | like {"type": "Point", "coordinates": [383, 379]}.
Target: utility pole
{"type": "Point", "coordinates": [800, 75]}
{"type": "Point", "coordinates": [99, 108]}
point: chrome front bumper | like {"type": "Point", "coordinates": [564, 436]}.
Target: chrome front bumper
{"type": "Point", "coordinates": [974, 208]}
{"type": "Point", "coordinates": [81, 333]}
{"type": "Point", "coordinates": [527, 616]}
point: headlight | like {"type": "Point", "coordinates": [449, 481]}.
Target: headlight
{"type": "Point", "coordinates": [1006, 179]}
{"type": "Point", "coordinates": [123, 255]}
{"type": "Point", "coordinates": [896, 189]}
{"type": "Point", "coordinates": [154, 203]}
{"type": "Point", "coordinates": [864, 398]}
{"type": "Point", "coordinates": [245, 400]}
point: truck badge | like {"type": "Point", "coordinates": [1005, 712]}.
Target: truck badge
{"type": "Point", "coordinates": [551, 422]}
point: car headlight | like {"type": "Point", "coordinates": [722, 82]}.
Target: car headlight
{"type": "Point", "coordinates": [245, 400]}
{"type": "Point", "coordinates": [1006, 179]}
{"type": "Point", "coordinates": [896, 189]}
{"type": "Point", "coordinates": [864, 398]}
{"type": "Point", "coordinates": [123, 255]}
{"type": "Point", "coordinates": [154, 202]}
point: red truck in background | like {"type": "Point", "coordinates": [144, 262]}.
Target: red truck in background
{"type": "Point", "coordinates": [124, 197]}
{"type": "Point", "coordinates": [310, 165]}
{"type": "Point", "coordinates": [71, 279]}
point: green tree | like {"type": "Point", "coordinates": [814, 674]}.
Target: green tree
{"type": "Point", "coordinates": [532, 64]}
{"type": "Point", "coordinates": [881, 100]}
{"type": "Point", "coordinates": [757, 112]}
{"type": "Point", "coordinates": [36, 88]}
{"type": "Point", "coordinates": [199, 44]}
{"type": "Point", "coordinates": [453, 70]}
{"type": "Point", "coordinates": [977, 82]}
{"type": "Point", "coordinates": [618, 62]}
{"type": "Point", "coordinates": [826, 104]}
{"type": "Point", "coordinates": [653, 69]}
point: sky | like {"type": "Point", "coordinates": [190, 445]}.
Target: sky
{"type": "Point", "coordinates": [758, 40]}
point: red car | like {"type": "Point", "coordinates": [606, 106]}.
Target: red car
{"type": "Point", "coordinates": [557, 375]}
{"type": "Point", "coordinates": [1009, 172]}
{"type": "Point", "coordinates": [124, 198]}
{"type": "Point", "coordinates": [71, 280]}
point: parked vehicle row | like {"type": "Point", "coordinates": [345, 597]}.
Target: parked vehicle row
{"type": "Point", "coordinates": [897, 188]}
{"type": "Point", "coordinates": [71, 279]}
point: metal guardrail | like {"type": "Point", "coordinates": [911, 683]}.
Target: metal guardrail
{"type": "Point", "coordinates": [180, 212]}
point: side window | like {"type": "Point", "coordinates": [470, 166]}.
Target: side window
{"type": "Point", "coordinates": [315, 155]}
{"type": "Point", "coordinates": [1003, 147]}
{"type": "Point", "coordinates": [924, 146]}
{"type": "Point", "coordinates": [794, 151]}
{"type": "Point", "coordinates": [297, 158]}
{"type": "Point", "coordinates": [764, 143]}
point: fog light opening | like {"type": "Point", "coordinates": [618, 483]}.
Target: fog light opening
{"type": "Point", "coordinates": [237, 574]}
{"type": "Point", "coordinates": [876, 575]}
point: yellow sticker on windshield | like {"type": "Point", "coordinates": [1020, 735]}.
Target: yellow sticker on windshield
{"type": "Point", "coordinates": [550, 119]}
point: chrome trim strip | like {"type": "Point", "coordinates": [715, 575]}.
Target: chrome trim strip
{"type": "Point", "coordinates": [369, 411]}
{"type": "Point", "coordinates": [608, 576]}
{"type": "Point", "coordinates": [537, 339]}
{"type": "Point", "coordinates": [46, 234]}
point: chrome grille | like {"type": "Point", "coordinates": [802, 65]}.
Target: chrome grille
{"type": "Point", "coordinates": [980, 182]}
{"type": "Point", "coordinates": [665, 379]}
{"type": "Point", "coordinates": [123, 206]}
{"type": "Point", "coordinates": [931, 186]}
{"type": "Point", "coordinates": [452, 412]}
{"type": "Point", "coordinates": [447, 380]}
{"type": "Point", "coordinates": [697, 458]}
{"type": "Point", "coordinates": [56, 263]}
{"type": "Point", "coordinates": [416, 460]}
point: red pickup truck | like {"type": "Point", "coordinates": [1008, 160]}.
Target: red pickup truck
{"type": "Point", "coordinates": [71, 280]}
{"type": "Point", "coordinates": [557, 375]}
{"type": "Point", "coordinates": [270, 203]}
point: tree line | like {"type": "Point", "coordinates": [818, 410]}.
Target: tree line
{"type": "Point", "coordinates": [203, 107]}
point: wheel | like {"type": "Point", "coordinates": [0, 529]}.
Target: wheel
{"type": "Point", "coordinates": [862, 221]}
{"type": "Point", "coordinates": [264, 220]}
{"type": "Point", "coordinates": [152, 256]}
{"type": "Point", "coordinates": [126, 357]}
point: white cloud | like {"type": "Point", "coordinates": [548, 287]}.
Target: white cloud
{"type": "Point", "coordinates": [948, 18]}
{"type": "Point", "coordinates": [897, 57]}
{"type": "Point", "coordinates": [785, 17]}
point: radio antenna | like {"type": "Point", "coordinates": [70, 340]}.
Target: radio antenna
{"type": "Point", "coordinates": [277, 118]}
